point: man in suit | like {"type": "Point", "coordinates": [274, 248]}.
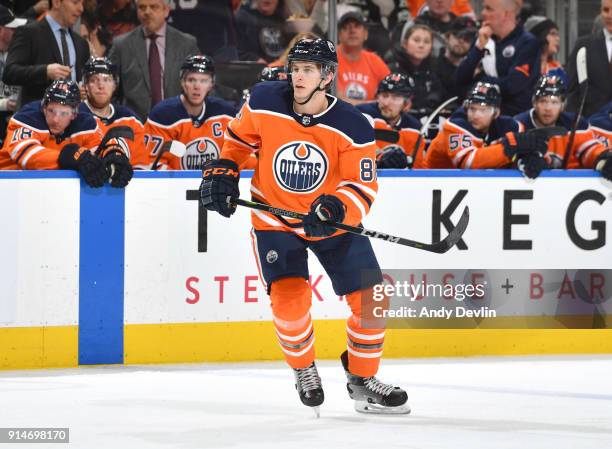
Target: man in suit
{"type": "Point", "coordinates": [149, 58]}
{"type": "Point", "coordinates": [599, 66]}
{"type": "Point", "coordinates": [44, 51]}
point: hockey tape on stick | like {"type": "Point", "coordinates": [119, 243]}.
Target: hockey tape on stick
{"type": "Point", "coordinates": [174, 147]}
{"type": "Point", "coordinates": [118, 132]}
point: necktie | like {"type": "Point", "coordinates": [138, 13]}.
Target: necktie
{"type": "Point", "coordinates": [65, 53]}
{"type": "Point", "coordinates": [155, 71]}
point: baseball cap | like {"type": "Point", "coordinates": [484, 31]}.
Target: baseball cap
{"type": "Point", "coordinates": [464, 27]}
{"type": "Point", "coordinates": [351, 15]}
{"type": "Point", "coordinates": [8, 19]}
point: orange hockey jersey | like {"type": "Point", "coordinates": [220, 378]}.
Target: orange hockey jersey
{"type": "Point", "coordinates": [203, 135]}
{"type": "Point", "coordinates": [358, 80]}
{"type": "Point", "coordinates": [303, 157]}
{"type": "Point", "coordinates": [459, 7]}
{"type": "Point", "coordinates": [407, 130]}
{"type": "Point", "coordinates": [459, 145]}
{"type": "Point", "coordinates": [30, 146]}
{"type": "Point", "coordinates": [586, 147]}
{"type": "Point", "coordinates": [123, 116]}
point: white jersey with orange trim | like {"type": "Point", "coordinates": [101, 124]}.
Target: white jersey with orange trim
{"type": "Point", "coordinates": [301, 157]}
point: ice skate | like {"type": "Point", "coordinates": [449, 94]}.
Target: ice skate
{"type": "Point", "coordinates": [373, 396]}
{"type": "Point", "coordinates": [308, 385]}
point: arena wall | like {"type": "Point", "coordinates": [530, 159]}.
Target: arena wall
{"type": "Point", "coordinates": [145, 275]}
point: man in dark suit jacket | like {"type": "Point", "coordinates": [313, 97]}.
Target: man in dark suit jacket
{"type": "Point", "coordinates": [148, 77]}
{"type": "Point", "coordinates": [599, 66]}
{"type": "Point", "coordinates": [47, 50]}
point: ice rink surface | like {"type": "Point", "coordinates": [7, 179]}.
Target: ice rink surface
{"type": "Point", "coordinates": [527, 402]}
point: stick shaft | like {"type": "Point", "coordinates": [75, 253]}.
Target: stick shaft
{"type": "Point", "coordinates": [440, 247]}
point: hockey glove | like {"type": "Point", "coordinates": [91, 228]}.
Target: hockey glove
{"type": "Point", "coordinates": [91, 168]}
{"type": "Point", "coordinates": [220, 186]}
{"type": "Point", "coordinates": [392, 157]}
{"type": "Point", "coordinates": [324, 208]}
{"type": "Point", "coordinates": [118, 168]}
{"type": "Point", "coordinates": [518, 144]}
{"type": "Point", "coordinates": [531, 165]}
{"type": "Point", "coordinates": [604, 165]}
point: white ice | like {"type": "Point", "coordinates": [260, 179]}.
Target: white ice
{"type": "Point", "coordinates": [527, 402]}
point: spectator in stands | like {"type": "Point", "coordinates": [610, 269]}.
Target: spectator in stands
{"type": "Point", "coordinates": [459, 40]}
{"type": "Point", "coordinates": [9, 95]}
{"type": "Point", "coordinates": [458, 7]}
{"type": "Point", "coordinates": [437, 16]}
{"type": "Point", "coordinates": [547, 32]}
{"type": "Point", "coordinates": [47, 50]}
{"type": "Point", "coordinates": [213, 25]}
{"type": "Point", "coordinates": [504, 54]}
{"type": "Point", "coordinates": [117, 16]}
{"type": "Point", "coordinates": [599, 49]}
{"type": "Point", "coordinates": [261, 31]}
{"type": "Point", "coordinates": [359, 70]}
{"type": "Point", "coordinates": [149, 58]}
{"type": "Point", "coordinates": [30, 9]}
{"type": "Point", "coordinates": [414, 59]}
{"type": "Point", "coordinates": [98, 37]}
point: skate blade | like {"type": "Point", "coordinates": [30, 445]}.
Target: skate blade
{"type": "Point", "coordinates": [375, 409]}
{"type": "Point", "coordinates": [317, 411]}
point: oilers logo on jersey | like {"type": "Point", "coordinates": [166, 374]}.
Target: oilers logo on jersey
{"type": "Point", "coordinates": [356, 91]}
{"type": "Point", "coordinates": [300, 167]}
{"type": "Point", "coordinates": [198, 152]}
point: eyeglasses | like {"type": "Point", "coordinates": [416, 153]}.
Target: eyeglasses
{"type": "Point", "coordinates": [61, 113]}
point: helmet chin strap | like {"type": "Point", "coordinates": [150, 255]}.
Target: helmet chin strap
{"type": "Point", "coordinates": [315, 90]}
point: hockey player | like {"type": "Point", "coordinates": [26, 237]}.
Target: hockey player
{"type": "Point", "coordinates": [601, 125]}
{"type": "Point", "coordinates": [477, 136]}
{"type": "Point", "coordinates": [194, 118]}
{"type": "Point", "coordinates": [52, 134]}
{"type": "Point", "coordinates": [397, 132]}
{"type": "Point", "coordinates": [316, 156]}
{"type": "Point", "coordinates": [100, 79]}
{"type": "Point", "coordinates": [548, 104]}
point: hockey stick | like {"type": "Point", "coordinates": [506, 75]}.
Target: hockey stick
{"type": "Point", "coordinates": [583, 84]}
{"type": "Point", "coordinates": [118, 132]}
{"type": "Point", "coordinates": [386, 135]}
{"type": "Point", "coordinates": [392, 136]}
{"type": "Point", "coordinates": [548, 132]}
{"type": "Point", "coordinates": [440, 247]}
{"type": "Point", "coordinates": [425, 127]}
{"type": "Point", "coordinates": [171, 146]}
